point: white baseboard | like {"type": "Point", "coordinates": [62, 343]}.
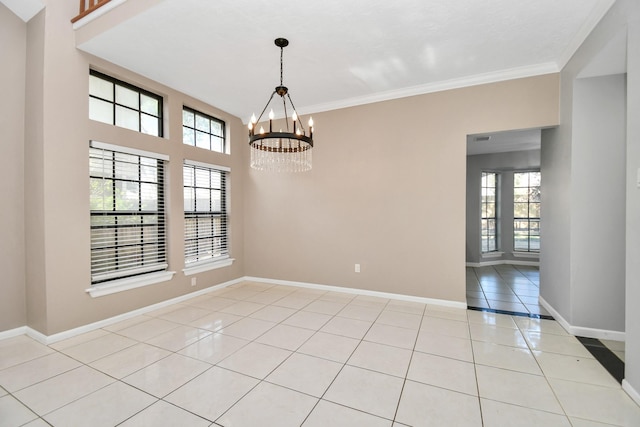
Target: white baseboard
{"type": "Point", "coordinates": [13, 332]}
{"type": "Point", "coordinates": [502, 262]}
{"type": "Point", "coordinates": [50, 339]}
{"type": "Point", "coordinates": [401, 297]}
{"type": "Point", "coordinates": [632, 392]}
{"type": "Point", "coordinates": [601, 334]}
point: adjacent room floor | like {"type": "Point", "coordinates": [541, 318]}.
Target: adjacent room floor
{"type": "Point", "coordinates": [505, 287]}
{"type": "Point", "coordinates": [263, 355]}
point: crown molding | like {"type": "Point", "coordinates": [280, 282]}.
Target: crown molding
{"type": "Point", "coordinates": [475, 80]}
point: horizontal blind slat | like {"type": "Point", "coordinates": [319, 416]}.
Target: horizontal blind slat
{"type": "Point", "coordinates": [127, 217]}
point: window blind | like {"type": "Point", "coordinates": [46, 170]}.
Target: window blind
{"type": "Point", "coordinates": [205, 213]}
{"type": "Point", "coordinates": [128, 233]}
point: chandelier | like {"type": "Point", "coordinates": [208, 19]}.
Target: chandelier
{"type": "Point", "coordinates": [281, 151]}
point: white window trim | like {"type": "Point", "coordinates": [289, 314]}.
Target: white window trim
{"type": "Point", "coordinates": [128, 150]}
{"type": "Point", "coordinates": [128, 283]}
{"type": "Point", "coordinates": [203, 266]}
{"type": "Point", "coordinates": [207, 165]}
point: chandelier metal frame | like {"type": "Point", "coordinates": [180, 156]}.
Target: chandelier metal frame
{"type": "Point", "coordinates": [281, 150]}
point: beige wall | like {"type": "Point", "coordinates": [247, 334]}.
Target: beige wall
{"type": "Point", "coordinates": [13, 39]}
{"type": "Point", "coordinates": [387, 191]}
{"type": "Point", "coordinates": [59, 236]}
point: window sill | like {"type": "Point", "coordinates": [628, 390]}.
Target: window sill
{"type": "Point", "coordinates": [526, 254]}
{"type": "Point", "coordinates": [208, 265]}
{"type": "Point", "coordinates": [128, 283]}
{"type": "Point", "coordinates": [492, 254]}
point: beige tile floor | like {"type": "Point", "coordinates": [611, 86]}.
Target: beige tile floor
{"type": "Point", "coordinates": [516, 289]}
{"type": "Point", "coordinates": [262, 355]}
{"type": "Point", "coordinates": [505, 287]}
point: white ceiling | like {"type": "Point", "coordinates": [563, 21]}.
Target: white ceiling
{"type": "Point", "coordinates": [25, 9]}
{"type": "Point", "coordinates": [499, 142]}
{"type": "Point", "coordinates": [342, 52]}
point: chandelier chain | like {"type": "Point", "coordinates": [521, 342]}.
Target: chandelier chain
{"type": "Point", "coordinates": [281, 67]}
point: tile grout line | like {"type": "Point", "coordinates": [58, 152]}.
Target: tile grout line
{"type": "Point", "coordinates": [343, 366]}
{"type": "Point", "coordinates": [406, 376]}
{"type": "Point", "coordinates": [546, 378]}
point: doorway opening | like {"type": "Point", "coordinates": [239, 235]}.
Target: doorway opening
{"type": "Point", "coordinates": [503, 222]}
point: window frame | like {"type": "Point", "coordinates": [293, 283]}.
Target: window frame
{"type": "Point", "coordinates": [217, 257]}
{"type": "Point", "coordinates": [485, 236]}
{"type": "Point", "coordinates": [147, 272]}
{"type": "Point", "coordinates": [528, 219]}
{"type": "Point", "coordinates": [114, 104]}
{"type": "Point", "coordinates": [211, 135]}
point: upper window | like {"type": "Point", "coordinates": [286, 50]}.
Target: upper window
{"type": "Point", "coordinates": [127, 213]}
{"type": "Point", "coordinates": [526, 211]}
{"type": "Point", "coordinates": [118, 103]}
{"type": "Point", "coordinates": [201, 130]}
{"type": "Point", "coordinates": [489, 215]}
{"type": "Point", "coordinates": [205, 213]}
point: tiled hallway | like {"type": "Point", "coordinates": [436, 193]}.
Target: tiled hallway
{"type": "Point", "coordinates": [263, 355]}
{"type": "Point", "coordinates": [505, 287]}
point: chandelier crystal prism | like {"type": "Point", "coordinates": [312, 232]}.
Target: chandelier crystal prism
{"type": "Point", "coordinates": [286, 150]}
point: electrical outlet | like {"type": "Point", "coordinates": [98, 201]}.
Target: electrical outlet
{"type": "Point", "coordinates": [357, 268]}
{"type": "Point", "coordinates": [193, 281]}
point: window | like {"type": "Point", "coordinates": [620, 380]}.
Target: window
{"type": "Point", "coordinates": [489, 215]}
{"type": "Point", "coordinates": [201, 130]}
{"type": "Point", "coordinates": [526, 211]}
{"type": "Point", "coordinates": [127, 213]}
{"type": "Point", "coordinates": [205, 213]}
{"type": "Point", "coordinates": [118, 103]}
